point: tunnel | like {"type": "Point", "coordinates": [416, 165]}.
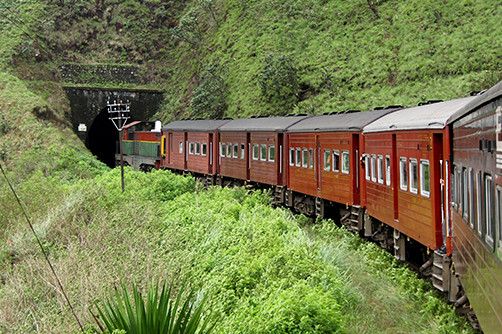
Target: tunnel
{"type": "Point", "coordinates": [102, 138]}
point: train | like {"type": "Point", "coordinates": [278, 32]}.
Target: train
{"type": "Point", "coordinates": [424, 181]}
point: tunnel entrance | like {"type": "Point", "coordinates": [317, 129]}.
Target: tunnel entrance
{"type": "Point", "coordinates": [102, 138]}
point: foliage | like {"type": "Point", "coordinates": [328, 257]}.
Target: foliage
{"type": "Point", "coordinates": [161, 311]}
{"type": "Point", "coordinates": [279, 83]}
{"type": "Point", "coordinates": [209, 98]}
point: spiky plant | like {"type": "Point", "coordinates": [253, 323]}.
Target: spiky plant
{"type": "Point", "coordinates": [161, 312]}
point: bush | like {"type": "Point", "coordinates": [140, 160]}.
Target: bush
{"type": "Point", "coordinates": [209, 98]}
{"type": "Point", "coordinates": [279, 83]}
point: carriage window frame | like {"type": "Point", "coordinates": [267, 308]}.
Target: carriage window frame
{"type": "Point", "coordinates": [298, 161]}
{"type": "Point", "coordinates": [387, 170]}
{"type": "Point", "coordinates": [243, 151]}
{"type": "Point", "coordinates": [256, 152]}
{"type": "Point", "coordinates": [479, 203]}
{"type": "Point", "coordinates": [191, 148]}
{"type": "Point", "coordinates": [271, 153]}
{"type": "Point", "coordinates": [197, 148]}
{"type": "Point", "coordinates": [327, 160]}
{"type": "Point", "coordinates": [345, 162]}
{"type": "Point", "coordinates": [470, 204]}
{"type": "Point", "coordinates": [413, 175]}
{"type": "Point", "coordinates": [489, 218]}
{"type": "Point", "coordinates": [312, 158]}
{"type": "Point", "coordinates": [223, 150]}
{"type": "Point", "coordinates": [263, 152]}
{"type": "Point", "coordinates": [235, 153]}
{"type": "Point", "coordinates": [305, 158]}
{"type": "Point", "coordinates": [465, 194]}
{"type": "Point", "coordinates": [203, 149]}
{"type": "Point", "coordinates": [498, 219]}
{"type": "Point", "coordinates": [336, 161]}
{"type": "Point", "coordinates": [291, 156]}
{"type": "Point", "coordinates": [229, 150]}
{"type": "Point", "coordinates": [380, 169]}
{"type": "Point", "coordinates": [367, 167]}
{"type": "Point", "coordinates": [373, 167]}
{"type": "Point", "coordinates": [423, 180]}
{"type": "Point", "coordinates": [403, 173]}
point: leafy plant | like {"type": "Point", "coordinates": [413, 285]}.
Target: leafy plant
{"type": "Point", "coordinates": [209, 98]}
{"type": "Point", "coordinates": [161, 313]}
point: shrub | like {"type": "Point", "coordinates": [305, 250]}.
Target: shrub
{"type": "Point", "coordinates": [209, 98]}
{"type": "Point", "coordinates": [279, 83]}
{"type": "Point", "coordinates": [162, 312]}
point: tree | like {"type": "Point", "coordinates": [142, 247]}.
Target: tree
{"type": "Point", "coordinates": [209, 98]}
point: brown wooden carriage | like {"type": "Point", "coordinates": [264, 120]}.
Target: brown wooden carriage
{"type": "Point", "coordinates": [477, 204]}
{"type": "Point", "coordinates": [191, 145]}
{"type": "Point", "coordinates": [253, 149]}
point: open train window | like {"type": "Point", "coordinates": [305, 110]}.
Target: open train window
{"type": "Point", "coordinates": [373, 167]}
{"type": "Point", "coordinates": [263, 152]}
{"type": "Point", "coordinates": [291, 156]}
{"type": "Point", "coordinates": [465, 195]}
{"type": "Point", "coordinates": [203, 149]}
{"type": "Point", "coordinates": [305, 158]}
{"type": "Point", "coordinates": [223, 149]}
{"type": "Point", "coordinates": [479, 204]}
{"type": "Point", "coordinates": [403, 174]}
{"type": "Point", "coordinates": [298, 162]}
{"type": "Point", "coordinates": [336, 161]}
{"type": "Point", "coordinates": [243, 151]}
{"type": "Point", "coordinates": [387, 170]}
{"type": "Point", "coordinates": [470, 186]}
{"type": "Point", "coordinates": [256, 151]}
{"type": "Point", "coordinates": [345, 162]}
{"type": "Point", "coordinates": [229, 150]}
{"type": "Point", "coordinates": [236, 151]}
{"type": "Point", "coordinates": [271, 153]}
{"type": "Point", "coordinates": [367, 167]}
{"type": "Point", "coordinates": [380, 169]}
{"type": "Point", "coordinates": [425, 181]}
{"type": "Point", "coordinates": [312, 158]}
{"type": "Point", "coordinates": [490, 222]}
{"type": "Point", "coordinates": [197, 148]}
{"type": "Point", "coordinates": [327, 160]}
{"type": "Point", "coordinates": [413, 176]}
{"type": "Point", "coordinates": [191, 148]}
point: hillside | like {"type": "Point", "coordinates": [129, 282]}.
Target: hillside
{"type": "Point", "coordinates": [239, 58]}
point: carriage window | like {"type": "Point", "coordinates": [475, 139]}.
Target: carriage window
{"type": "Point", "coordinates": [190, 148]}
{"type": "Point", "coordinates": [311, 160]}
{"type": "Point", "coordinates": [453, 187]}
{"type": "Point", "coordinates": [479, 203]}
{"type": "Point", "coordinates": [291, 156]}
{"type": "Point", "coordinates": [387, 170]}
{"type": "Point", "coordinates": [489, 209]}
{"type": "Point", "coordinates": [256, 151]}
{"type": "Point", "coordinates": [229, 150]}
{"type": "Point", "coordinates": [471, 198]}
{"type": "Point", "coordinates": [367, 167]}
{"type": "Point", "coordinates": [223, 149]}
{"type": "Point", "coordinates": [298, 162]}
{"type": "Point", "coordinates": [271, 153]}
{"type": "Point", "coordinates": [336, 161]}
{"type": "Point", "coordinates": [413, 176]}
{"type": "Point", "coordinates": [263, 155]}
{"type": "Point", "coordinates": [243, 151]}
{"type": "Point", "coordinates": [327, 160]}
{"type": "Point", "coordinates": [181, 147]}
{"type": "Point", "coordinates": [499, 216]}
{"type": "Point", "coordinates": [305, 158]}
{"type": "Point", "coordinates": [465, 194]}
{"type": "Point", "coordinates": [425, 181]}
{"type": "Point", "coordinates": [236, 151]}
{"type": "Point", "coordinates": [345, 162]}
{"type": "Point", "coordinates": [197, 148]}
{"type": "Point", "coordinates": [403, 174]}
{"type": "Point", "coordinates": [373, 167]}
{"type": "Point", "coordinates": [204, 149]}
{"type": "Point", "coordinates": [380, 169]}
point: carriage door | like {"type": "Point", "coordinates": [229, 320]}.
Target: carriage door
{"type": "Point", "coordinates": [438, 165]}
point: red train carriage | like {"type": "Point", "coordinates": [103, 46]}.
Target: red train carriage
{"type": "Point", "coordinates": [253, 149]}
{"type": "Point", "coordinates": [406, 157]}
{"type": "Point", "coordinates": [477, 205]}
{"type": "Point", "coordinates": [141, 145]}
{"type": "Point", "coordinates": [191, 145]}
{"type": "Point", "coordinates": [323, 160]}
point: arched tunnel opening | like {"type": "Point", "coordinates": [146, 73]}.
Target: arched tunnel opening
{"type": "Point", "coordinates": [102, 138]}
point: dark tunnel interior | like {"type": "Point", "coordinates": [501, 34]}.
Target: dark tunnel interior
{"type": "Point", "coordinates": [102, 138]}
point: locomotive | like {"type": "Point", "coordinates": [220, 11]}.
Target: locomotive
{"type": "Point", "coordinates": [424, 182]}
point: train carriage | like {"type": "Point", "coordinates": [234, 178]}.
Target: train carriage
{"type": "Point", "coordinates": [323, 159]}
{"type": "Point", "coordinates": [191, 145]}
{"type": "Point", "coordinates": [477, 203]}
{"type": "Point", "coordinates": [253, 149]}
{"type": "Point", "coordinates": [406, 156]}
